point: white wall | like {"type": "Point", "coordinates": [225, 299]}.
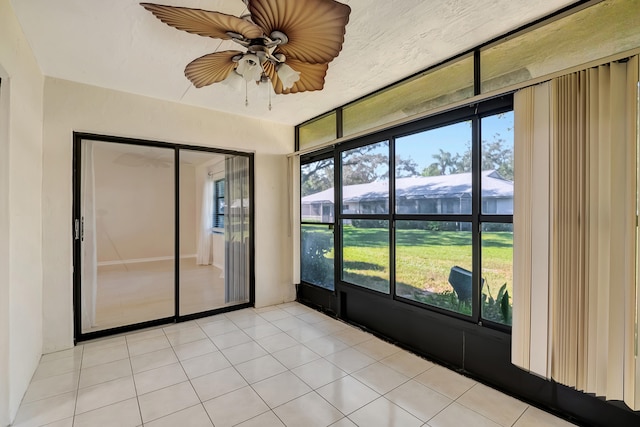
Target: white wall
{"type": "Point", "coordinates": [20, 213]}
{"type": "Point", "coordinates": [72, 107]}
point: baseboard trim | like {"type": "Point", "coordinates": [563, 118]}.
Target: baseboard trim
{"type": "Point", "coordinates": [139, 260]}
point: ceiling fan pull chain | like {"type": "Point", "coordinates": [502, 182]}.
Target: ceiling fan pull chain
{"type": "Point", "coordinates": [246, 93]}
{"type": "Point", "coordinates": [269, 90]}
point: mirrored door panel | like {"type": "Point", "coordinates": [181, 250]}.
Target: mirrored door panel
{"type": "Point", "coordinates": [127, 222]}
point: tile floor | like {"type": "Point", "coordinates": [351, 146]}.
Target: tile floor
{"type": "Point", "coordinates": [285, 365]}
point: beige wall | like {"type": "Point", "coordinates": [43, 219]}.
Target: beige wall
{"type": "Point", "coordinates": [72, 107]}
{"type": "Point", "coordinates": [20, 213]}
{"type": "Point", "coordinates": [134, 203]}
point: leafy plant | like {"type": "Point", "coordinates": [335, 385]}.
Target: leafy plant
{"type": "Point", "coordinates": [316, 268]}
{"type": "Point", "coordinates": [498, 309]}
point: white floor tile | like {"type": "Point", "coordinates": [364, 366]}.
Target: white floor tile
{"type": "Point", "coordinates": [244, 352]}
{"type": "Point", "coordinates": [158, 378]}
{"type": "Point", "coordinates": [261, 368]}
{"type": "Point", "coordinates": [376, 348]}
{"type": "Point", "coordinates": [166, 401]}
{"type": "Point", "coordinates": [194, 349]}
{"type": "Point", "coordinates": [187, 335]}
{"type": "Point", "coordinates": [105, 394]}
{"type": "Point", "coordinates": [281, 354]}
{"type": "Point", "coordinates": [262, 331]}
{"type": "Point", "coordinates": [277, 342]}
{"type": "Point", "coordinates": [281, 388]}
{"type": "Point", "coordinates": [52, 386]}
{"type": "Point", "coordinates": [534, 417]}
{"type": "Point", "coordinates": [147, 346]}
{"type": "Point", "coordinates": [144, 335]}
{"type": "Point", "coordinates": [383, 413]}
{"type": "Point", "coordinates": [220, 327]}
{"type": "Point", "coordinates": [350, 360]}
{"type": "Point", "coordinates": [121, 414]}
{"type": "Point", "coordinates": [407, 364]}
{"type": "Point", "coordinates": [72, 352]}
{"type": "Point", "coordinates": [446, 382]}
{"type": "Point", "coordinates": [318, 373]}
{"type": "Point", "coordinates": [273, 315]}
{"type": "Point", "coordinates": [205, 364]}
{"type": "Point", "coordinates": [380, 378]}
{"type": "Point", "coordinates": [105, 372]}
{"type": "Point", "coordinates": [348, 394]}
{"type": "Point", "coordinates": [194, 416]}
{"type": "Point", "coordinates": [496, 406]}
{"type": "Point", "coordinates": [235, 407]}
{"type": "Point", "coordinates": [230, 339]}
{"type": "Point", "coordinates": [67, 422]}
{"type": "Point", "coordinates": [56, 367]}
{"type": "Point", "coordinates": [419, 400]}
{"type": "Point", "coordinates": [268, 419]}
{"type": "Point", "coordinates": [326, 345]}
{"type": "Point", "coordinates": [218, 383]}
{"type": "Point", "coordinates": [353, 336]}
{"type": "Point", "coordinates": [456, 415]}
{"type": "Point", "coordinates": [45, 411]}
{"type": "Point", "coordinates": [295, 356]}
{"type": "Point", "coordinates": [156, 359]}
{"type": "Point", "coordinates": [99, 355]}
{"type": "Point", "coordinates": [309, 410]}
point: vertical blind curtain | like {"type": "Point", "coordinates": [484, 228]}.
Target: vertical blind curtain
{"type": "Point", "coordinates": [236, 229]}
{"type": "Point", "coordinates": [294, 213]}
{"type": "Point", "coordinates": [591, 284]}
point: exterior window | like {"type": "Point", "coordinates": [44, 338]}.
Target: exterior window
{"type": "Point", "coordinates": [218, 203]}
{"type": "Point", "coordinates": [431, 226]}
{"type": "Point", "coordinates": [317, 219]}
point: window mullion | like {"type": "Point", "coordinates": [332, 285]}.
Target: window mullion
{"type": "Point", "coordinates": [476, 205]}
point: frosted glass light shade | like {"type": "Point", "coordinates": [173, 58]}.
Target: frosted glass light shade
{"type": "Point", "coordinates": [249, 67]}
{"type": "Point", "coordinates": [287, 75]}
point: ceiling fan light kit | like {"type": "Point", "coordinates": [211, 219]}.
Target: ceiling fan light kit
{"type": "Point", "coordinates": [287, 43]}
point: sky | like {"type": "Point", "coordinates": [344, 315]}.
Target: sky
{"type": "Point", "coordinates": [454, 138]}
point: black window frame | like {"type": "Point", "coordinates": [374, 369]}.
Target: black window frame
{"type": "Point", "coordinates": [218, 194]}
{"type": "Point", "coordinates": [474, 113]}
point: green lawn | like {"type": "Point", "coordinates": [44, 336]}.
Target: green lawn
{"type": "Point", "coordinates": [423, 261]}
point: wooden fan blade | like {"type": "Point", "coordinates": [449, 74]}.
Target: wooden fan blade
{"type": "Point", "coordinates": [311, 76]}
{"type": "Point", "coordinates": [203, 22]}
{"type": "Point", "coordinates": [315, 28]}
{"type": "Point", "coordinates": [211, 68]}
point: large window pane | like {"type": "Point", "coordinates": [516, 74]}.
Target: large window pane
{"type": "Point", "coordinates": [427, 91]}
{"type": "Point", "coordinates": [596, 32]}
{"type": "Point", "coordinates": [497, 272]}
{"type": "Point", "coordinates": [497, 164]}
{"type": "Point", "coordinates": [365, 253]}
{"type": "Point", "coordinates": [433, 263]}
{"type": "Point", "coordinates": [365, 179]}
{"type": "Point", "coordinates": [316, 257]}
{"type": "Point", "coordinates": [318, 131]}
{"type": "Point", "coordinates": [433, 171]}
{"type": "Point", "coordinates": [316, 190]}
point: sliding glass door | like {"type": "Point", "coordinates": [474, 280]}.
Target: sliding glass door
{"type": "Point", "coordinates": [161, 233]}
{"type": "Point", "coordinates": [127, 234]}
{"type": "Point", "coordinates": [214, 231]}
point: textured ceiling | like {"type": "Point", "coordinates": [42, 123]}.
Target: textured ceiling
{"type": "Point", "coordinates": [119, 45]}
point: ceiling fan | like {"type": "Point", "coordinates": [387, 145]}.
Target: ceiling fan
{"type": "Point", "coordinates": [288, 43]}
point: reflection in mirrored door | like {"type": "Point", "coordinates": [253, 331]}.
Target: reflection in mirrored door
{"type": "Point", "coordinates": [214, 231]}
{"type": "Point", "coordinates": [128, 234]}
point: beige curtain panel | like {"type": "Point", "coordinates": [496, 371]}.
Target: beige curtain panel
{"type": "Point", "coordinates": [575, 248]}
